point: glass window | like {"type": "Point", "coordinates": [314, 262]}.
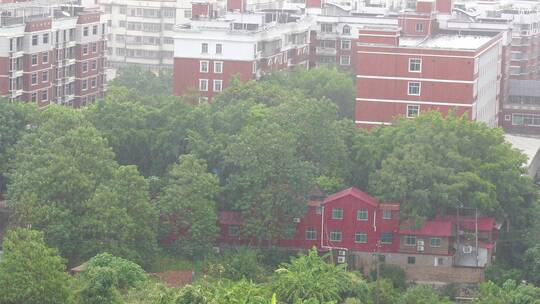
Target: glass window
{"type": "Point", "coordinates": [413, 111]}
{"type": "Point", "coordinates": [335, 236]}
{"type": "Point", "coordinates": [415, 65]}
{"type": "Point", "coordinates": [34, 59]}
{"type": "Point", "coordinates": [234, 230]}
{"type": "Point", "coordinates": [414, 88]}
{"type": "Point", "coordinates": [318, 210]}
{"type": "Point", "coordinates": [411, 260]}
{"type": "Point", "coordinates": [45, 57]}
{"type": "Point", "coordinates": [94, 30]}
{"type": "Point", "coordinates": [219, 48]}
{"type": "Point", "coordinates": [33, 97]}
{"type": "Point", "coordinates": [387, 214]}
{"type": "Point", "coordinates": [345, 60]}
{"type": "Point", "coordinates": [35, 40]}
{"type": "Point", "coordinates": [204, 48]}
{"type": "Point", "coordinates": [410, 240]}
{"type": "Point", "coordinates": [326, 28]}
{"type": "Point", "coordinates": [45, 76]}
{"type": "Point", "coordinates": [203, 85]}
{"type": "Point", "coordinates": [203, 66]}
{"type": "Point", "coordinates": [85, 31]}
{"type": "Point", "coordinates": [387, 237]}
{"type": "Point", "coordinates": [345, 44]}
{"type": "Point", "coordinates": [435, 242]}
{"type": "Point", "coordinates": [218, 85]}
{"type": "Point", "coordinates": [45, 38]}
{"type": "Point", "coordinates": [218, 67]}
{"type": "Point", "coordinates": [419, 27]}
{"type": "Point", "coordinates": [44, 95]}
{"type": "Point", "coordinates": [337, 213]}
{"type": "Point", "coordinates": [362, 214]}
{"type": "Point", "coordinates": [346, 30]}
{"type": "Point", "coordinates": [360, 237]}
{"type": "Point", "coordinates": [34, 78]}
{"type": "Point", "coordinates": [311, 234]}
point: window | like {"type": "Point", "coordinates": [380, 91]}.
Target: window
{"type": "Point", "coordinates": [360, 237]}
{"type": "Point", "coordinates": [45, 38]}
{"type": "Point", "coordinates": [346, 30]}
{"type": "Point", "coordinates": [44, 95]}
{"type": "Point", "coordinates": [94, 47]}
{"type": "Point", "coordinates": [85, 50]}
{"type": "Point", "coordinates": [335, 236]}
{"type": "Point", "coordinates": [203, 66]}
{"type": "Point", "coordinates": [187, 13]}
{"type": "Point", "coordinates": [435, 242]}
{"type": "Point", "coordinates": [93, 82]}
{"type": "Point", "coordinates": [85, 85]}
{"type": "Point", "coordinates": [311, 234]}
{"type": "Point", "coordinates": [520, 119]}
{"type": "Point", "coordinates": [33, 97]}
{"type": "Point", "coordinates": [507, 117]}
{"type": "Point", "coordinates": [413, 111]}
{"type": "Point", "coordinates": [218, 67]}
{"type": "Point", "coordinates": [234, 230]}
{"type": "Point", "coordinates": [345, 44]}
{"type": "Point", "coordinates": [414, 88]}
{"type": "Point", "coordinates": [362, 215]}
{"type": "Point", "coordinates": [439, 261]}
{"type": "Point", "coordinates": [419, 27]}
{"type": "Point", "coordinates": [218, 85]}
{"type": "Point", "coordinates": [34, 59]}
{"type": "Point", "coordinates": [44, 76]}
{"type": "Point", "coordinates": [85, 67]}
{"type": "Point", "coordinates": [45, 57]}
{"type": "Point", "coordinates": [94, 64]}
{"type": "Point", "coordinates": [415, 65]}
{"type": "Point", "coordinates": [326, 28]}
{"type": "Point", "coordinates": [35, 40]}
{"type": "Point", "coordinates": [345, 60]}
{"type": "Point", "coordinates": [34, 79]}
{"type": "Point", "coordinates": [387, 214]}
{"type": "Point", "coordinates": [387, 237]}
{"type": "Point", "coordinates": [204, 48]}
{"type": "Point", "coordinates": [203, 85]}
{"type": "Point", "coordinates": [411, 260]}
{"type": "Point", "coordinates": [85, 31]}
{"type": "Point", "coordinates": [410, 240]}
{"type": "Point", "coordinates": [318, 210]}
{"type": "Point", "coordinates": [337, 213]}
{"type": "Point", "coordinates": [219, 48]}
{"type": "Point", "coordinates": [94, 30]}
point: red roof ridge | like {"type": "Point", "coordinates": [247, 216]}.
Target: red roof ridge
{"type": "Point", "coordinates": [354, 192]}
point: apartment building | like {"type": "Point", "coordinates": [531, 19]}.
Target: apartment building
{"type": "Point", "coordinates": [51, 54]}
{"type": "Point", "coordinates": [210, 51]}
{"type": "Point", "coordinates": [142, 32]}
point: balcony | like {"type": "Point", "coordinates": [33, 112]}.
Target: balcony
{"type": "Point", "coordinates": [16, 93]}
{"type": "Point", "coordinates": [16, 73]}
{"type": "Point", "coordinates": [326, 51]}
{"type": "Point", "coordinates": [327, 35]}
{"type": "Point", "coordinates": [16, 53]}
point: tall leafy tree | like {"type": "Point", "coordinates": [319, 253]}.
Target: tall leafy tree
{"type": "Point", "coordinates": [187, 205]}
{"type": "Point", "coordinates": [270, 182]}
{"type": "Point", "coordinates": [509, 292]}
{"type": "Point", "coordinates": [62, 174]}
{"type": "Point", "coordinates": [31, 272]}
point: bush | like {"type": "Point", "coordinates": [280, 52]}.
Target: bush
{"type": "Point", "coordinates": [395, 274]}
{"type": "Point", "coordinates": [126, 273]}
{"type": "Point", "coordinates": [499, 274]}
{"type": "Point", "coordinates": [236, 264]}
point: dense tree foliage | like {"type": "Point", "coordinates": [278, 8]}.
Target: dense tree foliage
{"type": "Point", "coordinates": [509, 293]}
{"type": "Point", "coordinates": [64, 181]}
{"type": "Point", "coordinates": [31, 272]}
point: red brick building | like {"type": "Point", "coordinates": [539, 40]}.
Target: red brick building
{"type": "Point", "coordinates": [50, 55]}
{"type": "Point", "coordinates": [357, 228]}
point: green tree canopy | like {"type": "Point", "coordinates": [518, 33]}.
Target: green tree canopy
{"type": "Point", "coordinates": [31, 272]}
{"type": "Point", "coordinates": [509, 293]}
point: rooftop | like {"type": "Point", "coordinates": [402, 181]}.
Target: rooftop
{"type": "Point", "coordinates": [446, 41]}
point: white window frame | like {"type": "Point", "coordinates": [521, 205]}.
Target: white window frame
{"type": "Point", "coordinates": [33, 77]}
{"type": "Point", "coordinates": [45, 76]}
{"type": "Point", "coordinates": [45, 55]}
{"type": "Point", "coordinates": [334, 215]}
{"type": "Point", "coordinates": [419, 64]}
{"type": "Point", "coordinates": [359, 211]}
{"type": "Point", "coordinates": [341, 60]}
{"type": "Point", "coordinates": [407, 240]}
{"type": "Point", "coordinates": [386, 233]}
{"type": "Point", "coordinates": [203, 63]}
{"type": "Point", "coordinates": [220, 64]}
{"type": "Point", "coordinates": [409, 85]}
{"type": "Point", "coordinates": [311, 234]}
{"type": "Point", "coordinates": [215, 82]}
{"type": "Point", "coordinates": [356, 234]}
{"type": "Point", "coordinates": [34, 97]}
{"type": "Point", "coordinates": [46, 92]}
{"type": "Point", "coordinates": [220, 48]}
{"type": "Point", "coordinates": [204, 48]}
{"type": "Point", "coordinates": [412, 106]}
{"type": "Point", "coordinates": [348, 43]}
{"type": "Point", "coordinates": [84, 85]}
{"type": "Point", "coordinates": [334, 233]}
{"type": "Point", "coordinates": [435, 238]}
{"type": "Point", "coordinates": [32, 59]}
{"type": "Point", "coordinates": [419, 27]}
{"type": "Point", "coordinates": [201, 81]}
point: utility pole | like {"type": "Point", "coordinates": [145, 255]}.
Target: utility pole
{"type": "Point", "coordinates": [476, 232]}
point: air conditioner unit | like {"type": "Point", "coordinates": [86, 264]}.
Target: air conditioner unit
{"type": "Point", "coordinates": [467, 249]}
{"type": "Point", "coordinates": [296, 220]}
{"type": "Point", "coordinates": [420, 243]}
{"type": "Point", "coordinates": [420, 248]}
{"type": "Point", "coordinates": [341, 259]}
{"type": "Point", "coordinates": [341, 252]}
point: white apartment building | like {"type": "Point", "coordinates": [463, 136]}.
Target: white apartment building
{"type": "Point", "coordinates": [141, 32]}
